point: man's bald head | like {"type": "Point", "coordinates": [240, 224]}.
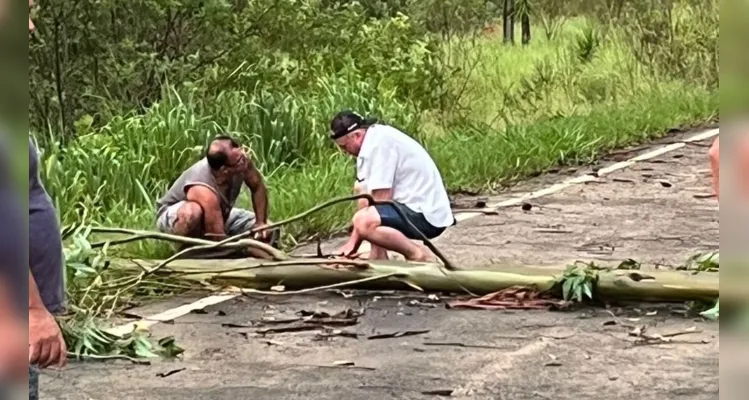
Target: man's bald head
{"type": "Point", "coordinates": [223, 151]}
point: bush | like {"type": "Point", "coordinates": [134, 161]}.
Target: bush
{"type": "Point", "coordinates": [105, 58]}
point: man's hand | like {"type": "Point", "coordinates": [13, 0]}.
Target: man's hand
{"type": "Point", "coordinates": [349, 249]}
{"type": "Point", "coordinates": [46, 344]}
{"type": "Point", "coordinates": [263, 234]}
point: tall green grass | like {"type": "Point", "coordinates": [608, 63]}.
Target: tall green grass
{"type": "Point", "coordinates": [520, 110]}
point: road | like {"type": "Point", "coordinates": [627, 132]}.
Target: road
{"type": "Point", "coordinates": [656, 211]}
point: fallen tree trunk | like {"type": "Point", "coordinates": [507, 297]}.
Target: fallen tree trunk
{"type": "Point", "coordinates": [665, 286]}
{"type": "Point", "coordinates": [308, 274]}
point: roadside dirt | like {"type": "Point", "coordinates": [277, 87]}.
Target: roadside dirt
{"type": "Point", "coordinates": [492, 354]}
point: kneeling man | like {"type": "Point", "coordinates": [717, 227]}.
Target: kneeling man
{"type": "Point", "coordinates": [392, 166]}
{"type": "Point", "coordinates": [200, 203]}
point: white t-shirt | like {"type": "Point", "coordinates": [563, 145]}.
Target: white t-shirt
{"type": "Point", "coordinates": [390, 159]}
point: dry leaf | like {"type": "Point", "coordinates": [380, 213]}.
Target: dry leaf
{"type": "Point", "coordinates": [515, 297]}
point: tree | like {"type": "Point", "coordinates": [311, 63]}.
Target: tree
{"type": "Point", "coordinates": [508, 21]}
{"type": "Point", "coordinates": [524, 12]}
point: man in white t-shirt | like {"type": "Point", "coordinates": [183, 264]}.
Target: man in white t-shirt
{"type": "Point", "coordinates": [390, 165]}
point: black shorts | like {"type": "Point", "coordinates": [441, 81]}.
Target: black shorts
{"type": "Point", "coordinates": [390, 218]}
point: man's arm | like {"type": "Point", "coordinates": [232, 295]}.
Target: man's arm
{"type": "Point", "coordinates": [46, 343]}
{"type": "Point", "coordinates": [254, 180]}
{"type": "Point", "coordinates": [35, 299]}
{"type": "Point", "coordinates": [213, 220]}
{"type": "Point", "coordinates": [381, 169]}
{"type": "Point", "coordinates": [383, 194]}
{"type": "Point", "coordinates": [354, 239]}
{"type": "Point", "coordinates": [381, 180]}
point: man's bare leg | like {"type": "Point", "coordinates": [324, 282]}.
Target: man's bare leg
{"type": "Point", "coordinates": [213, 220]}
{"type": "Point", "coordinates": [189, 221]}
{"type": "Point", "coordinates": [391, 239]}
{"type": "Point", "coordinates": [368, 225]}
{"type": "Point", "coordinates": [375, 252]}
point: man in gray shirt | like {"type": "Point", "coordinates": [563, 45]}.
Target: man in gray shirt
{"type": "Point", "coordinates": [201, 202]}
{"type": "Point", "coordinates": [46, 284]}
{"type": "Point", "coordinates": [46, 280]}
{"type": "Point", "coordinates": [42, 270]}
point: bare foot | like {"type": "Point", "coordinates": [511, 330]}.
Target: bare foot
{"type": "Point", "coordinates": [420, 256]}
{"type": "Point", "coordinates": [378, 253]}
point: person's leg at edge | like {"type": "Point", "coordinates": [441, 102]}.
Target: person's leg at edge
{"type": "Point", "coordinates": [368, 224]}
{"type": "Point", "coordinates": [714, 155]}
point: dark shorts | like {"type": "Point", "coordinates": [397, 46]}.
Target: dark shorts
{"type": "Point", "coordinates": [390, 218]}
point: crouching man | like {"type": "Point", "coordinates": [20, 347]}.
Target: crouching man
{"type": "Point", "coordinates": [201, 202]}
{"type": "Point", "coordinates": [392, 166]}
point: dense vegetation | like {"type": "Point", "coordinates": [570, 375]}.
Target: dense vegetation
{"type": "Point", "coordinates": [123, 95]}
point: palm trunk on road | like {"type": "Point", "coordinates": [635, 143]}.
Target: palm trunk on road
{"type": "Point", "coordinates": [310, 273]}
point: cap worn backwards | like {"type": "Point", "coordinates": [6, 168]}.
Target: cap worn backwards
{"type": "Point", "coordinates": [344, 123]}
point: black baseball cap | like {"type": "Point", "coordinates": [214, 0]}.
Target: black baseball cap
{"type": "Point", "coordinates": [344, 123]}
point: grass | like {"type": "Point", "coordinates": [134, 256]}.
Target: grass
{"type": "Point", "coordinates": [520, 85]}
{"type": "Point", "coordinates": [561, 100]}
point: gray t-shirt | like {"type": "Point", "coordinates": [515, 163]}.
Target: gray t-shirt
{"type": "Point", "coordinates": [46, 256]}
{"type": "Point", "coordinates": [200, 174]}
